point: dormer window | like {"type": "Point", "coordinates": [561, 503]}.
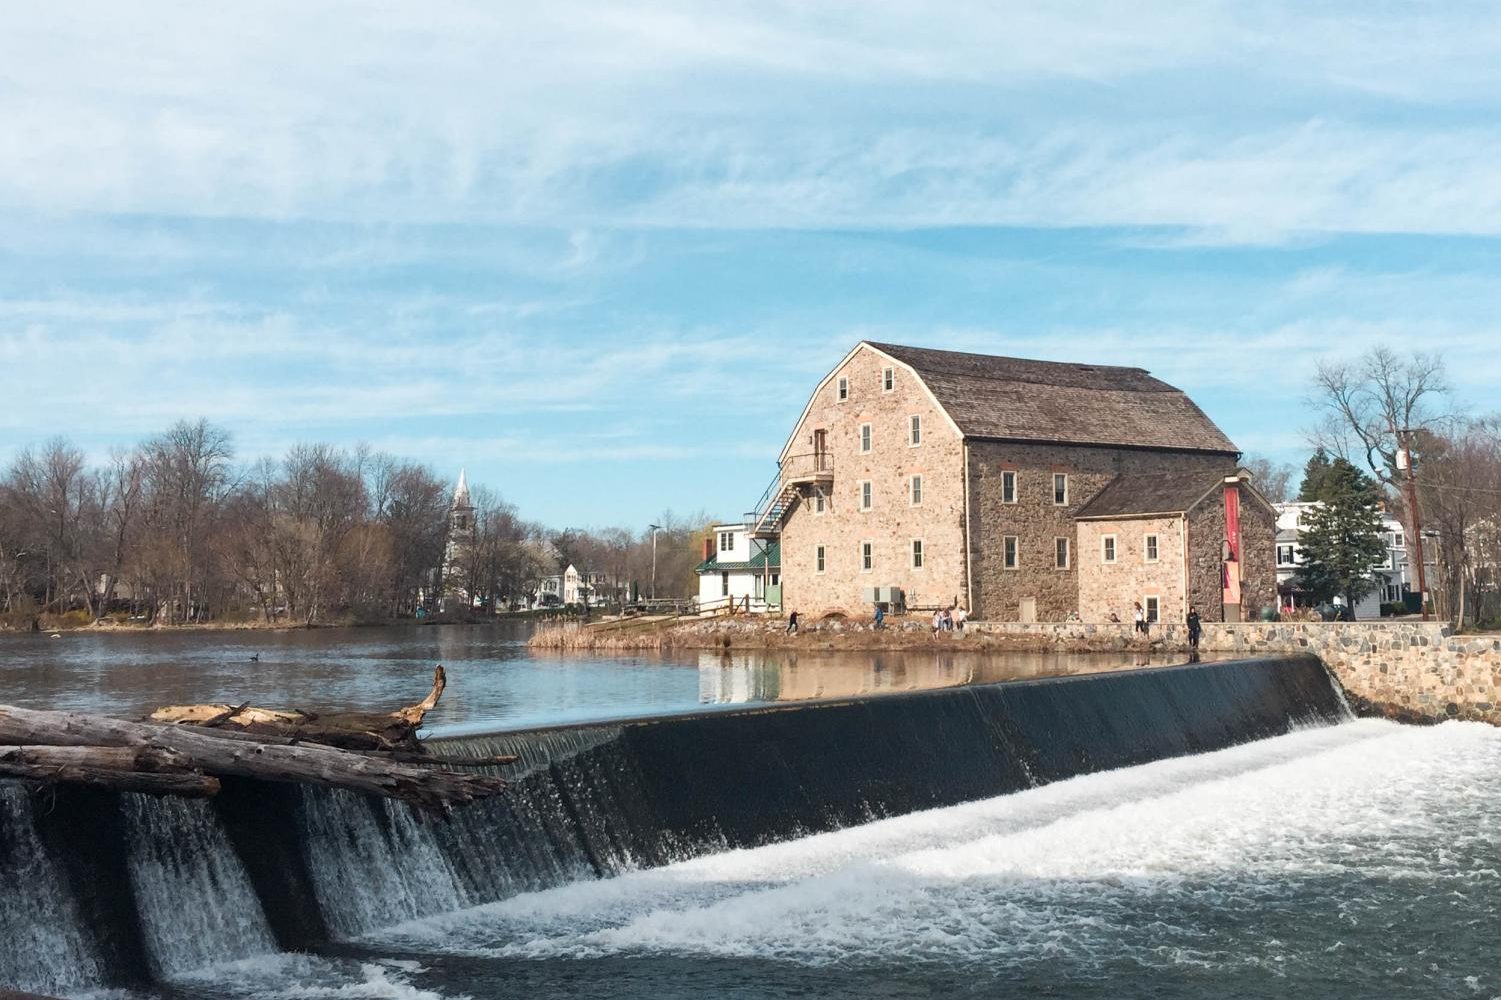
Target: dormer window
{"type": "Point", "coordinates": [844, 388]}
{"type": "Point", "coordinates": [726, 541]}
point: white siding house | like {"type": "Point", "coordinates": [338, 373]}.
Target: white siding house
{"type": "Point", "coordinates": [739, 568]}
{"type": "Point", "coordinates": [1396, 575]}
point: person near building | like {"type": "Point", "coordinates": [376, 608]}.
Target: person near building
{"type": "Point", "coordinates": [1139, 618]}
{"type": "Point", "coordinates": [880, 616]}
{"type": "Point", "coordinates": [960, 617]}
{"type": "Point", "coordinates": [792, 623]}
{"type": "Point", "coordinates": [1195, 627]}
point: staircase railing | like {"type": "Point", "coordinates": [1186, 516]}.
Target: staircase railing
{"type": "Point", "coordinates": [792, 467]}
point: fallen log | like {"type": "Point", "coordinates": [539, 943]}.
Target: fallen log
{"type": "Point", "coordinates": [349, 730]}
{"type": "Point", "coordinates": [153, 770]}
{"type": "Point", "coordinates": [299, 763]}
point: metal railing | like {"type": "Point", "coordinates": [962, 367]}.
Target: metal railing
{"type": "Point", "coordinates": [793, 467]}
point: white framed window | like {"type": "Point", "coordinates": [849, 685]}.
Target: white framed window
{"type": "Point", "coordinates": [726, 541]}
{"type": "Point", "coordinates": [1286, 555]}
{"type": "Point", "coordinates": [1149, 549]}
{"type": "Point", "coordinates": [844, 389]}
{"type": "Point", "coordinates": [917, 553]}
{"type": "Point", "coordinates": [1060, 489]}
{"type": "Point", "coordinates": [820, 502]}
{"type": "Point", "coordinates": [1010, 552]}
{"type": "Point", "coordinates": [865, 437]}
{"type": "Point", "coordinates": [867, 556]}
{"type": "Point", "coordinates": [1153, 607]}
{"type": "Point", "coordinates": [1060, 553]}
{"type": "Point", "coordinates": [914, 431]}
{"type": "Point", "coordinates": [867, 495]}
{"type": "Point", "coordinates": [1107, 548]}
{"type": "Point", "coordinates": [914, 491]}
{"type": "Point", "coordinates": [1008, 486]}
{"type": "Point", "coordinates": [888, 379]}
{"type": "Point", "coordinates": [818, 562]}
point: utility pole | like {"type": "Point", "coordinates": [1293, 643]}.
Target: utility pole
{"type": "Point", "coordinates": [654, 529]}
{"type": "Point", "coordinates": [1410, 484]}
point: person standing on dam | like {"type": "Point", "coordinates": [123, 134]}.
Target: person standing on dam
{"type": "Point", "coordinates": [1195, 627]}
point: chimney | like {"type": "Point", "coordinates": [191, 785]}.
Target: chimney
{"type": "Point", "coordinates": [708, 548]}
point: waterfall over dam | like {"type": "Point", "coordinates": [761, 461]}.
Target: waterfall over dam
{"type": "Point", "coordinates": [101, 889]}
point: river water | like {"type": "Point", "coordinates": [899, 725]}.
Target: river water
{"type": "Point", "coordinates": [495, 681]}
{"type": "Point", "coordinates": [1355, 860]}
{"type": "Point", "coordinates": [1352, 861]}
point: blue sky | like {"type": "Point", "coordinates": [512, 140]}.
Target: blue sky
{"type": "Point", "coordinates": [600, 253]}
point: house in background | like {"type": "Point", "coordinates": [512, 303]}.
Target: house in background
{"type": "Point", "coordinates": [740, 569]}
{"type": "Point", "coordinates": [1396, 578]}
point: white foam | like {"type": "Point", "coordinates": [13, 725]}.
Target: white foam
{"type": "Point", "coordinates": [311, 977]}
{"type": "Point", "coordinates": [1073, 867]}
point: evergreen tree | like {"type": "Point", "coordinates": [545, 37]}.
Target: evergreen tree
{"type": "Point", "coordinates": [1314, 474]}
{"type": "Point", "coordinates": [1343, 540]}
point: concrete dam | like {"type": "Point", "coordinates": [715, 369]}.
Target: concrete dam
{"type": "Point", "coordinates": [106, 889]}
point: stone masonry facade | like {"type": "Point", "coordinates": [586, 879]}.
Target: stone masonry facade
{"type": "Point", "coordinates": [1036, 521]}
{"type": "Point", "coordinates": [1114, 587]}
{"type": "Point", "coordinates": [892, 522]}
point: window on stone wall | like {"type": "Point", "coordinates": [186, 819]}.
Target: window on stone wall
{"type": "Point", "coordinates": [888, 379]}
{"type": "Point", "coordinates": [818, 559]}
{"type": "Point", "coordinates": [1149, 548]}
{"type": "Point", "coordinates": [844, 389]}
{"type": "Point", "coordinates": [867, 556]}
{"type": "Point", "coordinates": [1008, 486]}
{"type": "Point", "coordinates": [1060, 553]}
{"type": "Point", "coordinates": [867, 495]}
{"type": "Point", "coordinates": [1010, 551]}
{"type": "Point", "coordinates": [914, 437]}
{"type": "Point", "coordinates": [1107, 548]}
{"type": "Point", "coordinates": [865, 437]}
{"type": "Point", "coordinates": [819, 503]}
{"type": "Point", "coordinates": [1153, 605]}
{"type": "Point", "coordinates": [917, 491]}
{"type": "Point", "coordinates": [917, 553]}
{"type": "Point", "coordinates": [1060, 488]}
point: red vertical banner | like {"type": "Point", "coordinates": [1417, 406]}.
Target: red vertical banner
{"type": "Point", "coordinates": [1232, 545]}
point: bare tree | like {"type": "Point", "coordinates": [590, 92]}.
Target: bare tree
{"type": "Point", "coordinates": [1273, 479]}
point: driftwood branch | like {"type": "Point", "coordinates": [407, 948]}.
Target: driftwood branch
{"type": "Point", "coordinates": [350, 730]}
{"type": "Point", "coordinates": [149, 769]}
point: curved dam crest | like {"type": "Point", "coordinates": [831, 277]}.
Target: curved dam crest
{"type": "Point", "coordinates": [104, 889]}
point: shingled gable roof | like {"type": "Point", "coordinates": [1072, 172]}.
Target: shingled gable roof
{"type": "Point", "coordinates": [1168, 493]}
{"type": "Point", "coordinates": [1015, 399]}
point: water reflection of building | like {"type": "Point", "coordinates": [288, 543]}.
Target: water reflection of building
{"type": "Point", "coordinates": [730, 678]}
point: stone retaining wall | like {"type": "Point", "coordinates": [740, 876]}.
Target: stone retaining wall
{"type": "Point", "coordinates": [1408, 670]}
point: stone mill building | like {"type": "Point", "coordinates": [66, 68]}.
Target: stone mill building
{"type": "Point", "coordinates": [1023, 490]}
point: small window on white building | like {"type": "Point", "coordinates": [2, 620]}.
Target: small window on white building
{"type": "Point", "coordinates": [724, 584]}
{"type": "Point", "coordinates": [1107, 548]}
{"type": "Point", "coordinates": [867, 556]}
{"type": "Point", "coordinates": [1060, 553]}
{"type": "Point", "coordinates": [1060, 488]}
{"type": "Point", "coordinates": [1399, 541]}
{"type": "Point", "coordinates": [917, 553]}
{"type": "Point", "coordinates": [888, 379]}
{"type": "Point", "coordinates": [914, 436]}
{"type": "Point", "coordinates": [1010, 551]}
{"type": "Point", "coordinates": [1153, 606]}
{"type": "Point", "coordinates": [726, 541]}
{"type": "Point", "coordinates": [844, 389]}
{"type": "Point", "coordinates": [1285, 556]}
{"type": "Point", "coordinates": [865, 437]}
{"type": "Point", "coordinates": [1008, 486]}
{"type": "Point", "coordinates": [818, 559]}
{"type": "Point", "coordinates": [867, 495]}
{"type": "Point", "coordinates": [916, 491]}
{"type": "Point", "coordinates": [1149, 549]}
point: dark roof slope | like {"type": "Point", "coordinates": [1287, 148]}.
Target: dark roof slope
{"type": "Point", "coordinates": [1021, 400]}
{"type": "Point", "coordinates": [1152, 493]}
